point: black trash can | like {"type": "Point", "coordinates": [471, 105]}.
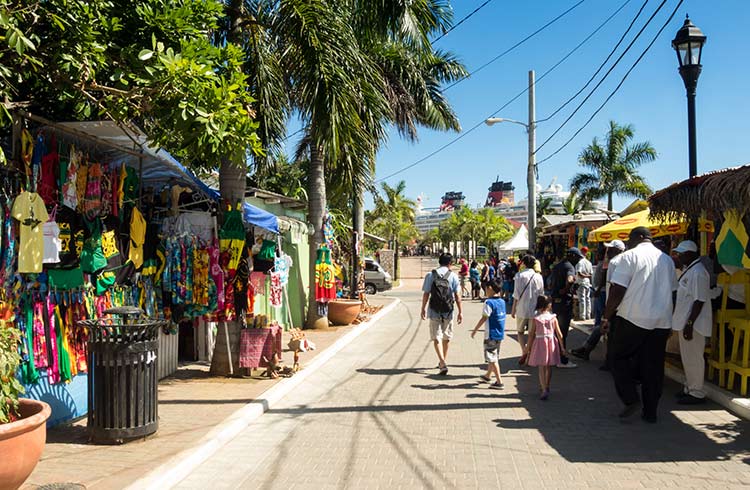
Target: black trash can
{"type": "Point", "coordinates": [122, 389]}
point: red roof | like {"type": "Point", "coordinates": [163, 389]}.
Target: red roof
{"type": "Point", "coordinates": [515, 224]}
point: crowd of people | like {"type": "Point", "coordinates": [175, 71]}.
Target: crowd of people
{"type": "Point", "coordinates": [633, 293]}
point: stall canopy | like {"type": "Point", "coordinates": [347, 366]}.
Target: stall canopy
{"type": "Point", "coordinates": [155, 165]}
{"type": "Point", "coordinates": [621, 228]}
{"type": "Point", "coordinates": [520, 241]}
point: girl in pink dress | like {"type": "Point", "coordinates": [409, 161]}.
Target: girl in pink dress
{"type": "Point", "coordinates": [545, 343]}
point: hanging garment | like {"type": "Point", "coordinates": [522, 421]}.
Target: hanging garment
{"type": "Point", "coordinates": [81, 179]}
{"type": "Point", "coordinates": [276, 290]}
{"type": "Point", "coordinates": [40, 149]}
{"type": "Point", "coordinates": [71, 237]}
{"type": "Point", "coordinates": [106, 193]}
{"type": "Point", "coordinates": [217, 274]}
{"type": "Point", "coordinates": [41, 358]}
{"type": "Point", "coordinates": [52, 242]}
{"type": "Point", "coordinates": [92, 256]}
{"type": "Point", "coordinates": [282, 265]}
{"type": "Point", "coordinates": [10, 245]}
{"type": "Point", "coordinates": [232, 239]}
{"type": "Point", "coordinates": [47, 185]}
{"type": "Point", "coordinates": [29, 373]}
{"type": "Point", "coordinates": [69, 191]}
{"type": "Point", "coordinates": [92, 201]}
{"type": "Point", "coordinates": [325, 282]}
{"type": "Point", "coordinates": [137, 238]}
{"type": "Point", "coordinates": [200, 276]}
{"type": "Point", "coordinates": [29, 211]}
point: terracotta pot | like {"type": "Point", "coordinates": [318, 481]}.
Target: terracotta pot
{"type": "Point", "coordinates": [343, 311]}
{"type": "Point", "coordinates": [22, 443]}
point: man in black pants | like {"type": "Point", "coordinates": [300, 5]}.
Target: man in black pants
{"type": "Point", "coordinates": [562, 279]}
{"type": "Point", "coordinates": [639, 305]}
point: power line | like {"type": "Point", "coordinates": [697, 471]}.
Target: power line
{"type": "Point", "coordinates": [611, 68]}
{"type": "Point", "coordinates": [519, 43]}
{"type": "Point", "coordinates": [509, 102]}
{"type": "Point", "coordinates": [611, 53]}
{"type": "Point", "coordinates": [612, 94]}
{"type": "Point", "coordinates": [467, 17]}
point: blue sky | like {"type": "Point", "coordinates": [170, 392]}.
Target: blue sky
{"type": "Point", "coordinates": [652, 98]}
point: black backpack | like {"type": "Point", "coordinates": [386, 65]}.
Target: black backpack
{"type": "Point", "coordinates": [441, 293]}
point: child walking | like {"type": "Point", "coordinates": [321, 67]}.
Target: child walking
{"type": "Point", "coordinates": [545, 343]}
{"type": "Point", "coordinates": [494, 315]}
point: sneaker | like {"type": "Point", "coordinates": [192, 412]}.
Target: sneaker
{"type": "Point", "coordinates": [569, 365]}
{"type": "Point", "coordinates": [630, 410]}
{"type": "Point", "coordinates": [581, 353]}
{"type": "Point", "coordinates": [485, 379]}
{"type": "Point", "coordinates": [497, 385]}
{"type": "Point", "coordinates": [545, 395]}
{"type": "Point", "coordinates": [688, 399]}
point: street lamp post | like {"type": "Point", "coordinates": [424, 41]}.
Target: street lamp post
{"type": "Point", "coordinates": [688, 44]}
{"type": "Point", "coordinates": [531, 168]}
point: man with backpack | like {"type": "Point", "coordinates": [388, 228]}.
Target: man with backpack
{"type": "Point", "coordinates": [441, 290]}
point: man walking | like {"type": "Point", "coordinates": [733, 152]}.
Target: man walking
{"type": "Point", "coordinates": [584, 271]}
{"type": "Point", "coordinates": [639, 304]}
{"type": "Point", "coordinates": [441, 290]}
{"type": "Point", "coordinates": [528, 287]}
{"type": "Point", "coordinates": [561, 285]}
{"type": "Point", "coordinates": [692, 319]}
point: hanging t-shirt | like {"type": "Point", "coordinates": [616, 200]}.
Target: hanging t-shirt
{"type": "Point", "coordinates": [137, 238]}
{"type": "Point", "coordinates": [29, 210]}
{"type": "Point", "coordinates": [47, 185]}
{"type": "Point", "coordinates": [71, 237]}
{"type": "Point", "coordinates": [92, 255]}
{"type": "Point", "coordinates": [69, 191]}
{"type": "Point", "coordinates": [52, 243]}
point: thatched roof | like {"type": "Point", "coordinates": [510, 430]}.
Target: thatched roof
{"type": "Point", "coordinates": [713, 192]}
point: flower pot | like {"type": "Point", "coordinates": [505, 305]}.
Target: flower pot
{"type": "Point", "coordinates": [22, 443]}
{"type": "Point", "coordinates": [343, 311]}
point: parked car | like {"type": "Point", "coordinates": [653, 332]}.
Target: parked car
{"type": "Point", "coordinates": [376, 278]}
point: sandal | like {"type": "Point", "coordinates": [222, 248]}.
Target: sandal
{"type": "Point", "coordinates": [497, 385]}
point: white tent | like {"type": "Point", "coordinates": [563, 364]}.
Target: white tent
{"type": "Point", "coordinates": [520, 241]}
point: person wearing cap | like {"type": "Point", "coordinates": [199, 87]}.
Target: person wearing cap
{"type": "Point", "coordinates": [584, 271]}
{"type": "Point", "coordinates": [639, 305]}
{"type": "Point", "coordinates": [613, 250]}
{"type": "Point", "coordinates": [561, 280]}
{"type": "Point", "coordinates": [692, 319]}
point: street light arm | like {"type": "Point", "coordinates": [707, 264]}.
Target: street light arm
{"type": "Point", "coordinates": [491, 121]}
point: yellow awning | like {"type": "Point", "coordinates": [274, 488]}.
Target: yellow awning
{"type": "Point", "coordinates": [620, 228]}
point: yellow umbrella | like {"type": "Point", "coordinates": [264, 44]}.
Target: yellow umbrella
{"type": "Point", "coordinates": [620, 228]}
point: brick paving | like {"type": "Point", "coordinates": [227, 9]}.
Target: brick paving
{"type": "Point", "coordinates": [378, 416]}
{"type": "Point", "coordinates": [191, 403]}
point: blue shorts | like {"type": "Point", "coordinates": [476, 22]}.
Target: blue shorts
{"type": "Point", "coordinates": [508, 286]}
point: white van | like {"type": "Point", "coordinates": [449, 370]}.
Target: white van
{"type": "Point", "coordinates": [376, 278]}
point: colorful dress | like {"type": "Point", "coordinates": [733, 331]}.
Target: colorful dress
{"type": "Point", "coordinates": [545, 351]}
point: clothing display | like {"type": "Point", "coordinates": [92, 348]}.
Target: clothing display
{"type": "Point", "coordinates": [52, 243]}
{"type": "Point", "coordinates": [29, 211]}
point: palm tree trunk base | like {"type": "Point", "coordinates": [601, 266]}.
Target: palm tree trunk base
{"type": "Point", "coordinates": [320, 324]}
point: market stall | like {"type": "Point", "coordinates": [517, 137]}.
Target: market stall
{"type": "Point", "coordinates": [94, 218]}
{"type": "Point", "coordinates": [621, 227]}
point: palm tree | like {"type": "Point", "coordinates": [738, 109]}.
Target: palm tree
{"type": "Point", "coordinates": [613, 166]}
{"type": "Point", "coordinates": [543, 206]}
{"type": "Point", "coordinates": [393, 214]}
{"type": "Point", "coordinates": [573, 204]}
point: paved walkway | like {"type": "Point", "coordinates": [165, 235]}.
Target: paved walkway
{"type": "Point", "coordinates": [378, 416]}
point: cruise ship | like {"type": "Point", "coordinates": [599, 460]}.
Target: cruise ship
{"type": "Point", "coordinates": [430, 218]}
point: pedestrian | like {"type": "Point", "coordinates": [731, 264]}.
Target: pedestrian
{"type": "Point", "coordinates": [545, 343]}
{"type": "Point", "coordinates": [562, 281]}
{"type": "Point", "coordinates": [598, 281]}
{"type": "Point", "coordinates": [692, 320]}
{"type": "Point", "coordinates": [639, 307]}
{"type": "Point", "coordinates": [509, 275]}
{"type": "Point", "coordinates": [528, 287]}
{"type": "Point", "coordinates": [613, 250]}
{"type": "Point", "coordinates": [584, 271]}
{"type": "Point", "coordinates": [475, 279]}
{"type": "Point", "coordinates": [440, 291]}
{"type": "Point", "coordinates": [493, 314]}
{"type": "Point", "coordinates": [463, 274]}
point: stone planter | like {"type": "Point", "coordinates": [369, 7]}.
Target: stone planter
{"type": "Point", "coordinates": [343, 311]}
{"type": "Point", "coordinates": [22, 443]}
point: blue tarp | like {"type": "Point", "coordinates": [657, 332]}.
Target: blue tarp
{"type": "Point", "coordinates": [159, 167]}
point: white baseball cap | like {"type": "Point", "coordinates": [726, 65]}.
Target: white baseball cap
{"type": "Point", "coordinates": [686, 246]}
{"type": "Point", "coordinates": [618, 244]}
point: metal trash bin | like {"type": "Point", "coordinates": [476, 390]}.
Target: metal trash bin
{"type": "Point", "coordinates": [122, 388]}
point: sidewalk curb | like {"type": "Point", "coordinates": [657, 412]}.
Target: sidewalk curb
{"type": "Point", "coordinates": [179, 466]}
{"type": "Point", "coordinates": [736, 405]}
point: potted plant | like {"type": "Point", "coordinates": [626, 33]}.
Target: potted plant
{"type": "Point", "coordinates": [23, 429]}
{"type": "Point", "coordinates": [343, 311]}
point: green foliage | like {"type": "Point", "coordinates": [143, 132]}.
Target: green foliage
{"type": "Point", "coordinates": [573, 204]}
{"type": "Point", "coordinates": [613, 166]}
{"type": "Point", "coordinates": [10, 387]}
{"type": "Point", "coordinates": [146, 62]}
{"type": "Point", "coordinates": [483, 227]}
{"type": "Point", "coordinates": [393, 215]}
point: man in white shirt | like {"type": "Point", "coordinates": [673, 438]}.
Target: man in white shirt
{"type": "Point", "coordinates": [639, 303]}
{"type": "Point", "coordinates": [692, 318]}
{"type": "Point", "coordinates": [584, 271]}
{"type": "Point", "coordinates": [529, 285]}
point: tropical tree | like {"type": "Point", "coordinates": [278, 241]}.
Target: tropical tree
{"type": "Point", "coordinates": [573, 204]}
{"type": "Point", "coordinates": [393, 216]}
{"type": "Point", "coordinates": [543, 206]}
{"type": "Point", "coordinates": [613, 166]}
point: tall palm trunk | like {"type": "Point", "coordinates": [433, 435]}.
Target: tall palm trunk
{"type": "Point", "coordinates": [609, 202]}
{"type": "Point", "coordinates": [232, 182]}
{"type": "Point", "coordinates": [358, 226]}
{"type": "Point", "coordinates": [316, 194]}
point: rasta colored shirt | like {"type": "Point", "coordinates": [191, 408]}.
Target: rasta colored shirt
{"type": "Point", "coordinates": [29, 211]}
{"type": "Point", "coordinates": [71, 237]}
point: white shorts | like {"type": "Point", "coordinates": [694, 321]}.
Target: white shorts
{"type": "Point", "coordinates": [523, 324]}
{"type": "Point", "coordinates": [441, 328]}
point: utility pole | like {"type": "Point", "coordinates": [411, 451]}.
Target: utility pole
{"type": "Point", "coordinates": [531, 170]}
